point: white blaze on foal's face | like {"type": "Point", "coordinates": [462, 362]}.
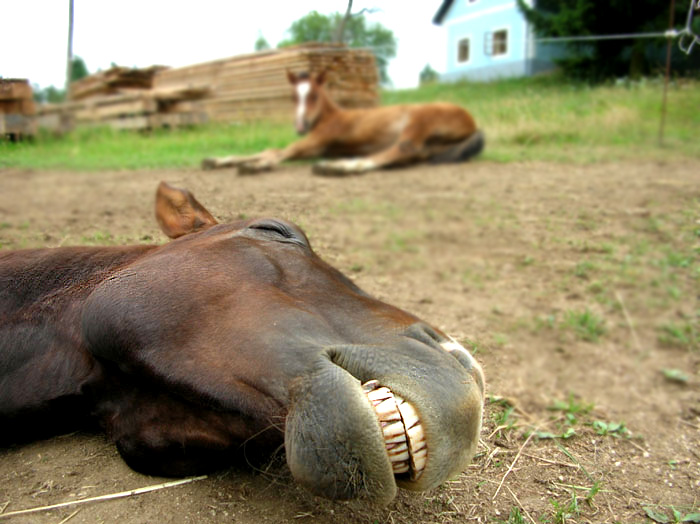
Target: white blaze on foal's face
{"type": "Point", "coordinates": [303, 89]}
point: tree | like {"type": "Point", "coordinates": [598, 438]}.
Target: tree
{"type": "Point", "coordinates": [78, 69]}
{"type": "Point", "coordinates": [600, 59]}
{"type": "Point", "coordinates": [357, 32]}
{"type": "Point", "coordinates": [428, 75]}
{"type": "Point", "coordinates": [261, 44]}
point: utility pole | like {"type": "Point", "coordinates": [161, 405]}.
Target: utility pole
{"type": "Point", "coordinates": [69, 60]}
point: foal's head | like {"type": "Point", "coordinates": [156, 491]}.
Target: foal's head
{"type": "Point", "coordinates": [309, 98]}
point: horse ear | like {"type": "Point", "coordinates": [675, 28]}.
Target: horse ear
{"type": "Point", "coordinates": [321, 77]}
{"type": "Point", "coordinates": [178, 212]}
{"type": "Point", "coordinates": [291, 77]}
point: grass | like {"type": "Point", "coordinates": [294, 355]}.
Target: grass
{"type": "Point", "coordinates": [543, 118]}
{"type": "Point", "coordinates": [585, 324]}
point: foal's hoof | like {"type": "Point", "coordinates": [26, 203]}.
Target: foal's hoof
{"type": "Point", "coordinates": [253, 168]}
{"type": "Point", "coordinates": [341, 167]}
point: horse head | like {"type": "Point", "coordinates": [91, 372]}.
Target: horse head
{"type": "Point", "coordinates": [310, 99]}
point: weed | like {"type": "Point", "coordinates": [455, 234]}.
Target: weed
{"type": "Point", "coordinates": [583, 269]}
{"type": "Point", "coordinates": [675, 375]}
{"type": "Point", "coordinates": [563, 511]}
{"type": "Point", "coordinates": [615, 429]}
{"type": "Point", "coordinates": [685, 335]}
{"type": "Point", "coordinates": [515, 517]}
{"type": "Point", "coordinates": [585, 324]}
{"type": "Point", "coordinates": [658, 514]}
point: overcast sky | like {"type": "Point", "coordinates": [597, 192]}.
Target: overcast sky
{"type": "Point", "coordinates": [175, 33]}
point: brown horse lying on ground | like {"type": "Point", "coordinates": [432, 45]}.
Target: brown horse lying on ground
{"type": "Point", "coordinates": [366, 139]}
{"type": "Point", "coordinates": [225, 343]}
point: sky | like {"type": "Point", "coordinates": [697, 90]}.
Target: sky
{"type": "Point", "coordinates": [141, 33]}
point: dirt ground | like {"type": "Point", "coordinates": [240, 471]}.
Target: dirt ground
{"type": "Point", "coordinates": [585, 422]}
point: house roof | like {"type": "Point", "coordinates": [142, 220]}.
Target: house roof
{"type": "Point", "coordinates": [442, 11]}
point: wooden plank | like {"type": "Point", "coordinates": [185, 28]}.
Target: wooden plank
{"type": "Point", "coordinates": [17, 125]}
{"type": "Point", "coordinates": [15, 89]}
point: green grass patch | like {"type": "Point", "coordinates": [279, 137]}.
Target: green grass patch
{"type": "Point", "coordinates": [543, 118]}
{"type": "Point", "coordinates": [585, 324]}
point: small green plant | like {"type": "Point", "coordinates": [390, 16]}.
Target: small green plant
{"type": "Point", "coordinates": [660, 516]}
{"type": "Point", "coordinates": [514, 517]}
{"type": "Point", "coordinates": [615, 429]}
{"type": "Point", "coordinates": [564, 511]}
{"type": "Point", "coordinates": [583, 269]}
{"type": "Point", "coordinates": [682, 335]}
{"type": "Point", "coordinates": [585, 324]}
{"type": "Point", "coordinates": [504, 418]}
{"type": "Point", "coordinates": [675, 375]}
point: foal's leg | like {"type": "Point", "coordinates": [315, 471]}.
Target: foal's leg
{"type": "Point", "coordinates": [308, 147]}
{"type": "Point", "coordinates": [409, 147]}
{"type": "Point", "coordinates": [233, 161]}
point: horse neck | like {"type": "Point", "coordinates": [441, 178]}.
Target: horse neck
{"type": "Point", "coordinates": [330, 108]}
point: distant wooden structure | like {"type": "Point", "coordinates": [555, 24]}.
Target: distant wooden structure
{"type": "Point", "coordinates": [254, 86]}
{"type": "Point", "coordinates": [17, 108]}
{"type": "Point", "coordinates": [241, 88]}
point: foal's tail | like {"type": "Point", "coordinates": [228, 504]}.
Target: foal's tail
{"type": "Point", "coordinates": [463, 151]}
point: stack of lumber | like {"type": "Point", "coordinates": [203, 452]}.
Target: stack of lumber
{"type": "Point", "coordinates": [124, 98]}
{"type": "Point", "coordinates": [241, 88]}
{"type": "Point", "coordinates": [115, 80]}
{"type": "Point", "coordinates": [17, 108]}
{"type": "Point", "coordinates": [255, 87]}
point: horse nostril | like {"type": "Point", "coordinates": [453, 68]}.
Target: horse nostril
{"type": "Point", "coordinates": [426, 334]}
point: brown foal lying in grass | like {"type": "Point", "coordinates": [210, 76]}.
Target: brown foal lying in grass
{"type": "Point", "coordinates": [365, 139]}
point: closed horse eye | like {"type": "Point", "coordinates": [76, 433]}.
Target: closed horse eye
{"type": "Point", "coordinates": [277, 229]}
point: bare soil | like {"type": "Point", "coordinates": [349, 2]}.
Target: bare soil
{"type": "Point", "coordinates": [497, 255]}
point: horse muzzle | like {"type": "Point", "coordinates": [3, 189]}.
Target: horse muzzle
{"type": "Point", "coordinates": [369, 419]}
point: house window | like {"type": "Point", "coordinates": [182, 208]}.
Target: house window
{"type": "Point", "coordinates": [500, 42]}
{"type": "Point", "coordinates": [463, 50]}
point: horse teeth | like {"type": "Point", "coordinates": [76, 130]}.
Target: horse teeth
{"type": "Point", "coordinates": [404, 438]}
{"type": "Point", "coordinates": [401, 456]}
{"type": "Point", "coordinates": [396, 439]}
{"type": "Point", "coordinates": [387, 410]}
{"type": "Point", "coordinates": [400, 468]}
{"type": "Point", "coordinates": [393, 430]}
{"type": "Point", "coordinates": [415, 434]}
{"type": "Point", "coordinates": [381, 393]}
{"type": "Point", "coordinates": [418, 466]}
{"type": "Point", "coordinates": [409, 415]}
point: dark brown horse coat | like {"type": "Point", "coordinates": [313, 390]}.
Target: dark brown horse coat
{"type": "Point", "coordinates": [225, 343]}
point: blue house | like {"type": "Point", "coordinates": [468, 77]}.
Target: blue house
{"type": "Point", "coordinates": [490, 39]}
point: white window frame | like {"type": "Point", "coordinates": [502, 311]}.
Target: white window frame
{"type": "Point", "coordinates": [509, 46]}
{"type": "Point", "coordinates": [459, 62]}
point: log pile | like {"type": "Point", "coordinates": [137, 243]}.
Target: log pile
{"type": "Point", "coordinates": [17, 108]}
{"type": "Point", "coordinates": [241, 88]}
{"type": "Point", "coordinates": [254, 86]}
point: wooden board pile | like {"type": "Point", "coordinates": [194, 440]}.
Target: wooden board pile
{"type": "Point", "coordinates": [241, 88]}
{"type": "Point", "coordinates": [123, 98]}
{"type": "Point", "coordinates": [114, 81]}
{"type": "Point", "coordinates": [17, 108]}
{"type": "Point", "coordinates": [255, 87]}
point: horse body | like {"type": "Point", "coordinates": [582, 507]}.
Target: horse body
{"type": "Point", "coordinates": [368, 138]}
{"type": "Point", "coordinates": [224, 344]}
